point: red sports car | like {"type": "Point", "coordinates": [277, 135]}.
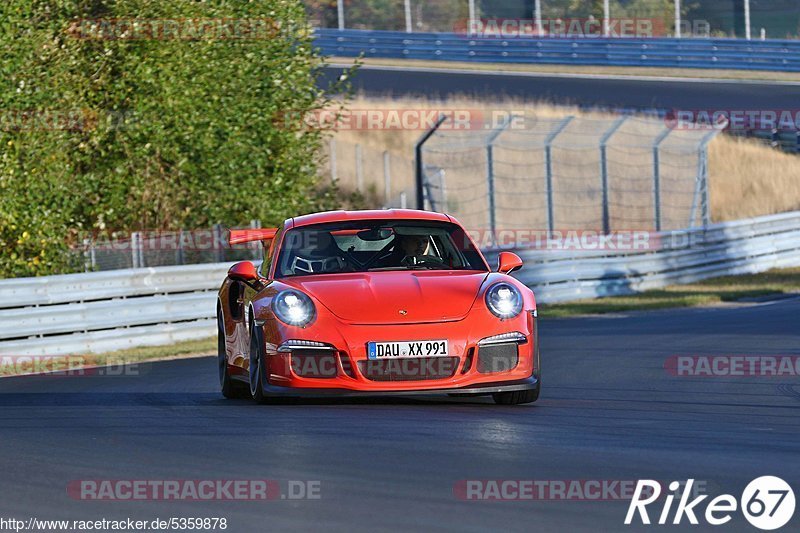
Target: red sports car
{"type": "Point", "coordinates": [375, 302]}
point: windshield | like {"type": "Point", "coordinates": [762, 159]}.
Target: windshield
{"type": "Point", "coordinates": [375, 245]}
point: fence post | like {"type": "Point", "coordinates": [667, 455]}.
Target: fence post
{"type": "Point", "coordinates": [135, 242]}
{"type": "Point", "coordinates": [472, 14]}
{"type": "Point", "coordinates": [179, 259]}
{"type": "Point", "coordinates": [359, 169]}
{"type": "Point", "coordinates": [548, 168]}
{"type": "Point", "coordinates": [604, 170]}
{"type": "Point", "coordinates": [420, 168]}
{"type": "Point", "coordinates": [255, 246]}
{"type": "Point", "coordinates": [334, 174]}
{"type": "Point", "coordinates": [87, 253]}
{"type": "Point", "coordinates": [387, 177]}
{"type": "Point", "coordinates": [537, 16]}
{"type": "Point", "coordinates": [490, 174]}
{"type": "Point", "coordinates": [219, 252]}
{"type": "Point", "coordinates": [706, 202]}
{"type": "Point", "coordinates": [657, 177]}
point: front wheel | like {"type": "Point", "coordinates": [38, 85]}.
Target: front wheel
{"type": "Point", "coordinates": [256, 365]}
{"type": "Point", "coordinates": [517, 397]}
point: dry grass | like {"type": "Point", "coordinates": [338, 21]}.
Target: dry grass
{"type": "Point", "coordinates": [747, 178]}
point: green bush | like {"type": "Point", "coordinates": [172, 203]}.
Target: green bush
{"type": "Point", "coordinates": [100, 131]}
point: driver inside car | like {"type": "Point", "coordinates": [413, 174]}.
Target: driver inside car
{"type": "Point", "coordinates": [408, 250]}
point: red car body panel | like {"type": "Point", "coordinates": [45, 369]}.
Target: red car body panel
{"type": "Point", "coordinates": [353, 309]}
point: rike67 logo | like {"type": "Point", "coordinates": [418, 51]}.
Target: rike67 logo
{"type": "Point", "coordinates": [767, 503]}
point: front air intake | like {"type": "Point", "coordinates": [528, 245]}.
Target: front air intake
{"type": "Point", "coordinates": [497, 357]}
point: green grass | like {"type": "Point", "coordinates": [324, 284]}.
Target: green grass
{"type": "Point", "coordinates": [206, 346]}
{"type": "Point", "coordinates": [65, 363]}
{"type": "Point", "coordinates": [707, 293]}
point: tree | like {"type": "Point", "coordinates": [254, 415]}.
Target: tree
{"type": "Point", "coordinates": [145, 114]}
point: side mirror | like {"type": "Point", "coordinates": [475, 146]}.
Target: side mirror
{"type": "Point", "coordinates": [244, 271]}
{"type": "Point", "coordinates": [508, 262]}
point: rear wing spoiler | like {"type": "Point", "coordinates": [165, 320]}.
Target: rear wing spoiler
{"type": "Point", "coordinates": [239, 236]}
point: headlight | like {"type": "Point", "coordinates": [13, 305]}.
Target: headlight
{"type": "Point", "coordinates": [293, 308]}
{"type": "Point", "coordinates": [504, 300]}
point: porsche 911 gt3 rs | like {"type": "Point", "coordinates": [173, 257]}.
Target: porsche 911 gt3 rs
{"type": "Point", "coordinates": [375, 302]}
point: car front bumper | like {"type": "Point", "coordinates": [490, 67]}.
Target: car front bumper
{"type": "Point", "coordinates": [531, 383]}
{"type": "Point", "coordinates": [352, 375]}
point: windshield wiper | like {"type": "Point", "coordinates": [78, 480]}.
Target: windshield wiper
{"type": "Point", "coordinates": [408, 267]}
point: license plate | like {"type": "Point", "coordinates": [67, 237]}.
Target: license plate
{"type": "Point", "coordinates": [398, 350]}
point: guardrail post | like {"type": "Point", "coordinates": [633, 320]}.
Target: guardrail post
{"type": "Point", "coordinates": [657, 177]}
{"type": "Point", "coordinates": [420, 169]}
{"type": "Point", "coordinates": [548, 168]}
{"type": "Point", "coordinates": [604, 170]}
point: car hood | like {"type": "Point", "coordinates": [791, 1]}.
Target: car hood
{"type": "Point", "coordinates": [395, 297]}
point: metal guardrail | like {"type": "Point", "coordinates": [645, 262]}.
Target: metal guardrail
{"type": "Point", "coordinates": [105, 311]}
{"type": "Point", "coordinates": [730, 248]}
{"type": "Point", "coordinates": [773, 54]}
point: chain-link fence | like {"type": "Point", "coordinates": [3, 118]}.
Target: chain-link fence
{"type": "Point", "coordinates": [383, 177]}
{"type": "Point", "coordinates": [603, 174]}
{"type": "Point", "coordinates": [140, 249]}
{"type": "Point", "coordinates": [776, 19]}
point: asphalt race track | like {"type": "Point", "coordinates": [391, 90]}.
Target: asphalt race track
{"type": "Point", "coordinates": [609, 411]}
{"type": "Point", "coordinates": [589, 91]}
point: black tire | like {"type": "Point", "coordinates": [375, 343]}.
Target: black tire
{"type": "Point", "coordinates": [257, 365]}
{"type": "Point", "coordinates": [230, 388]}
{"type": "Point", "coordinates": [517, 397]}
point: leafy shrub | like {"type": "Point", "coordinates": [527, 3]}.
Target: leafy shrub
{"type": "Point", "coordinates": [106, 129]}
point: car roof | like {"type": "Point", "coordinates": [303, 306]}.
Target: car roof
{"type": "Point", "coordinates": [374, 214]}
